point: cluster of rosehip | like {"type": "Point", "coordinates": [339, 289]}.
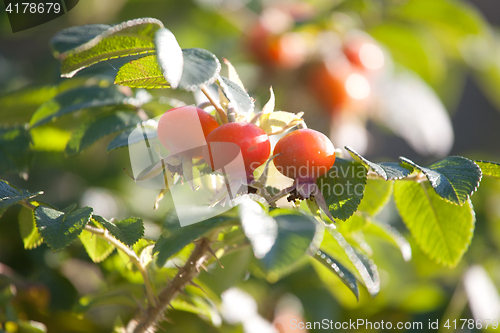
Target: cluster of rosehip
{"type": "Point", "coordinates": [349, 60]}
{"type": "Point", "coordinates": [303, 154]}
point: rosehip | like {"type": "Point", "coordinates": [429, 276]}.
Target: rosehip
{"type": "Point", "coordinates": [305, 155]}
{"type": "Point", "coordinates": [248, 138]}
{"type": "Point", "coordinates": [284, 50]}
{"type": "Point", "coordinates": [184, 129]}
{"type": "Point", "coordinates": [364, 53]}
{"type": "Point", "coordinates": [339, 86]}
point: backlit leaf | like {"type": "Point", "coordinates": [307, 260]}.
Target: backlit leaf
{"type": "Point", "coordinates": [97, 248]}
{"type": "Point", "coordinates": [491, 169]}
{"type": "Point", "coordinates": [442, 229]}
{"type": "Point", "coordinates": [27, 227]}
{"type": "Point", "coordinates": [77, 99]}
{"type": "Point", "coordinates": [342, 272]}
{"type": "Point", "coordinates": [82, 46]}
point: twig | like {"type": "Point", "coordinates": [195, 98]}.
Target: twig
{"type": "Point", "coordinates": [104, 234]}
{"type": "Point", "coordinates": [231, 114]}
{"type": "Point", "coordinates": [142, 114]}
{"type": "Point", "coordinates": [217, 106]}
{"type": "Point", "coordinates": [27, 204]}
{"type": "Point", "coordinates": [147, 320]}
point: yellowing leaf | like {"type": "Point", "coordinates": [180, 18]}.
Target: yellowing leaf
{"type": "Point", "coordinates": [269, 107]}
{"type": "Point", "coordinates": [278, 121]}
{"type": "Point", "coordinates": [233, 75]}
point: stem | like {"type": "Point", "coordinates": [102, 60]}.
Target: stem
{"type": "Point", "coordinates": [153, 314]}
{"type": "Point", "coordinates": [27, 204]}
{"type": "Point", "coordinates": [104, 234]}
{"type": "Point", "coordinates": [217, 106]}
{"type": "Point", "coordinates": [142, 114]}
{"type": "Point", "coordinates": [231, 114]}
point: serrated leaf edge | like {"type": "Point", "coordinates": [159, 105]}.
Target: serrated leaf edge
{"type": "Point", "coordinates": [423, 170]}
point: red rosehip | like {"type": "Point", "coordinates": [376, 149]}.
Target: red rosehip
{"type": "Point", "coordinates": [184, 129]}
{"type": "Point", "coordinates": [363, 52]}
{"type": "Point", "coordinates": [226, 142]}
{"type": "Point", "coordinates": [340, 87]}
{"type": "Point", "coordinates": [305, 155]}
{"type": "Point", "coordinates": [283, 50]}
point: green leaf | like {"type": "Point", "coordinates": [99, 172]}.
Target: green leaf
{"type": "Point", "coordinates": [356, 222]}
{"type": "Point", "coordinates": [386, 170]}
{"type": "Point", "coordinates": [60, 229]}
{"type": "Point", "coordinates": [10, 195]}
{"type": "Point", "coordinates": [142, 73]}
{"type": "Point", "coordinates": [18, 106]}
{"type": "Point", "coordinates": [442, 230]}
{"type": "Point", "coordinates": [72, 37]}
{"type": "Point", "coordinates": [279, 241]}
{"type": "Point", "coordinates": [30, 326]}
{"type": "Point", "coordinates": [88, 133]}
{"type": "Point", "coordinates": [343, 187]}
{"type": "Point", "coordinates": [15, 153]}
{"type": "Point", "coordinates": [77, 99]}
{"type": "Point", "coordinates": [131, 136]}
{"type": "Point", "coordinates": [169, 55]}
{"type": "Point", "coordinates": [412, 47]}
{"type": "Point", "coordinates": [27, 227]}
{"type": "Point", "coordinates": [342, 272]}
{"type": "Point", "coordinates": [97, 248]}
{"type": "Point", "coordinates": [260, 228]}
{"type": "Point", "coordinates": [174, 239]}
{"type": "Point", "coordinates": [83, 46]}
{"type": "Point", "coordinates": [377, 193]}
{"type": "Point", "coordinates": [238, 97]}
{"type": "Point", "coordinates": [455, 178]}
{"type": "Point", "coordinates": [127, 231]}
{"type": "Point", "coordinates": [390, 234]}
{"type": "Point", "coordinates": [235, 267]}
{"type": "Point", "coordinates": [488, 168]}
{"type": "Point", "coordinates": [201, 67]}
{"type": "Point", "coordinates": [295, 236]}
{"type": "Point", "coordinates": [450, 22]}
{"type": "Point", "coordinates": [335, 245]}
{"type": "Point", "coordinates": [49, 138]}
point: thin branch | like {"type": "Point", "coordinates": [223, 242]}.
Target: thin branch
{"type": "Point", "coordinates": [27, 204]}
{"type": "Point", "coordinates": [142, 114]}
{"type": "Point", "coordinates": [153, 314]}
{"type": "Point", "coordinates": [231, 114]}
{"type": "Point", "coordinates": [104, 234]}
{"type": "Point", "coordinates": [217, 106]}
